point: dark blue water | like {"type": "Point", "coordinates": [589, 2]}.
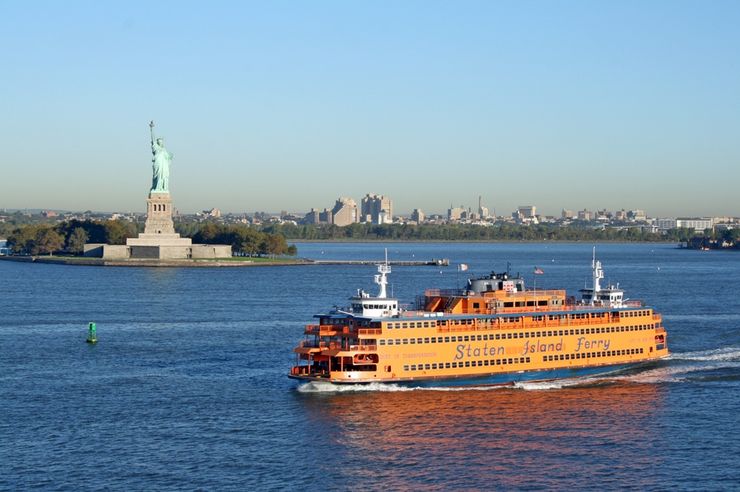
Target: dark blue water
{"type": "Point", "coordinates": [186, 388]}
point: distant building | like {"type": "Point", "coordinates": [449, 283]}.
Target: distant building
{"type": "Point", "coordinates": [455, 213]}
{"type": "Point", "coordinates": [637, 215]}
{"type": "Point", "coordinates": [4, 248]}
{"type": "Point", "coordinates": [376, 209]}
{"type": "Point", "coordinates": [620, 215]}
{"type": "Point", "coordinates": [482, 211]}
{"type": "Point", "coordinates": [665, 224]}
{"type": "Point", "coordinates": [214, 213]}
{"type": "Point", "coordinates": [567, 214]}
{"type": "Point", "coordinates": [418, 216]}
{"type": "Point", "coordinates": [344, 212]}
{"type": "Point", "coordinates": [49, 214]}
{"type": "Point", "coordinates": [586, 215]}
{"type": "Point", "coordinates": [527, 211]}
{"type": "Point", "coordinates": [696, 223]}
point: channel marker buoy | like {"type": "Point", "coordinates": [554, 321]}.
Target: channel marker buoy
{"type": "Point", "coordinates": [92, 336]}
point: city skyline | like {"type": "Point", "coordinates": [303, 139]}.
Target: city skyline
{"type": "Point", "coordinates": [288, 106]}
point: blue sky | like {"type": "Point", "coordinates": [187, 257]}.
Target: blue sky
{"type": "Point", "coordinates": [288, 105]}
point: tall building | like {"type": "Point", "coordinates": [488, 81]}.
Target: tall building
{"type": "Point", "coordinates": [455, 213]}
{"type": "Point", "coordinates": [418, 216]}
{"type": "Point", "coordinates": [344, 212]}
{"type": "Point", "coordinates": [376, 209]}
{"type": "Point", "coordinates": [527, 211]}
{"type": "Point", "coordinates": [482, 211]}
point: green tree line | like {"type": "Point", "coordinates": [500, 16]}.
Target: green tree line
{"type": "Point", "coordinates": [467, 232]}
{"type": "Point", "coordinates": [243, 239]}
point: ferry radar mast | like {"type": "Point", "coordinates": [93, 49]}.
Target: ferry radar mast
{"type": "Point", "coordinates": [598, 274]}
{"type": "Point", "coordinates": [381, 279]}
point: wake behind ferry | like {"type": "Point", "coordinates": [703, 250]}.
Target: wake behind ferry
{"type": "Point", "coordinates": [494, 331]}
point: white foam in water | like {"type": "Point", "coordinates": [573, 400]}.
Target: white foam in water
{"type": "Point", "coordinates": [726, 353]}
{"type": "Point", "coordinates": [327, 387]}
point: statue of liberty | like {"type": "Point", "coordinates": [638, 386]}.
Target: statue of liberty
{"type": "Point", "coordinates": [161, 160]}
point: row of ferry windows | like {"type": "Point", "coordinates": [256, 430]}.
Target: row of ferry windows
{"type": "Point", "coordinates": [507, 336]}
{"type": "Point", "coordinates": [467, 363]}
{"type": "Point", "coordinates": [511, 319]}
{"type": "Point", "coordinates": [589, 355]}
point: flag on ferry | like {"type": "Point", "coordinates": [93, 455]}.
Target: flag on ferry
{"type": "Point", "coordinates": [462, 267]}
{"type": "Point", "coordinates": [538, 271]}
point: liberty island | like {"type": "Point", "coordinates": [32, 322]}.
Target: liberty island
{"type": "Point", "coordinates": [159, 241]}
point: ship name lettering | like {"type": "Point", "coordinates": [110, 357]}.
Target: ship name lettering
{"type": "Point", "coordinates": [466, 350]}
{"type": "Point", "coordinates": [582, 342]}
{"type": "Point", "coordinates": [537, 346]}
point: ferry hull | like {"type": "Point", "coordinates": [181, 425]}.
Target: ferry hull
{"type": "Point", "coordinates": [502, 379]}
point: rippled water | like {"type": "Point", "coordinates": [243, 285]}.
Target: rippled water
{"type": "Point", "coordinates": [186, 388]}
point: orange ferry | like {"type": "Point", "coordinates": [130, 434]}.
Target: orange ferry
{"type": "Point", "coordinates": [494, 331]}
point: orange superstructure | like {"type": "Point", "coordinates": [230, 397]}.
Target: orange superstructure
{"type": "Point", "coordinates": [494, 331]}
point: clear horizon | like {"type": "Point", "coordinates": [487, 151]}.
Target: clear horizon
{"type": "Point", "coordinates": [287, 106]}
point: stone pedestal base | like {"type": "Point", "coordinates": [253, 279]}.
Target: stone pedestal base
{"type": "Point", "coordinates": [159, 214]}
{"type": "Point", "coordinates": [159, 240]}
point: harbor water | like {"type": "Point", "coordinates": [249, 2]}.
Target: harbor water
{"type": "Point", "coordinates": [186, 387]}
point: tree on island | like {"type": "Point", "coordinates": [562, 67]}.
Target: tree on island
{"type": "Point", "coordinates": [76, 240]}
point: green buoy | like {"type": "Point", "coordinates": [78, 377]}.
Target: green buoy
{"type": "Point", "coordinates": [92, 336]}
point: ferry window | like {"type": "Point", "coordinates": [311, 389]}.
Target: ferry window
{"type": "Point", "coordinates": [508, 335]}
{"type": "Point", "coordinates": [398, 341]}
{"type": "Point", "coordinates": [419, 340]}
{"type": "Point", "coordinates": [387, 368]}
{"type": "Point", "coordinates": [466, 338]}
{"type": "Point", "coordinates": [427, 366]}
{"type": "Point", "coordinates": [467, 363]}
{"type": "Point", "coordinates": [562, 357]}
{"type": "Point", "coordinates": [485, 337]}
{"type": "Point", "coordinates": [549, 333]}
{"type": "Point", "coordinates": [485, 362]}
{"type": "Point", "coordinates": [426, 340]}
{"type": "Point", "coordinates": [382, 341]}
{"type": "Point", "coordinates": [498, 336]}
{"type": "Point", "coordinates": [454, 364]}
{"type": "Point", "coordinates": [567, 356]}
{"type": "Point", "coordinates": [434, 365]}
{"type": "Point", "coordinates": [447, 365]}
{"type": "Point", "coordinates": [498, 362]}
{"type": "Point", "coordinates": [544, 358]}
{"type": "Point", "coordinates": [405, 341]}
{"type": "Point", "coordinates": [476, 305]}
{"type": "Point", "coordinates": [510, 361]}
{"type": "Point", "coordinates": [542, 303]}
{"type": "Point", "coordinates": [405, 325]}
{"type": "Point", "coordinates": [390, 341]}
{"type": "Point", "coordinates": [413, 367]}
{"type": "Point", "coordinates": [508, 304]}
{"type": "Point", "coordinates": [480, 337]}
{"type": "Point", "coordinates": [434, 339]}
{"type": "Point", "coordinates": [527, 360]}
{"type": "Point", "coordinates": [412, 341]}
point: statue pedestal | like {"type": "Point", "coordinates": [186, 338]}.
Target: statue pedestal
{"type": "Point", "coordinates": [159, 214]}
{"type": "Point", "coordinates": [159, 229]}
